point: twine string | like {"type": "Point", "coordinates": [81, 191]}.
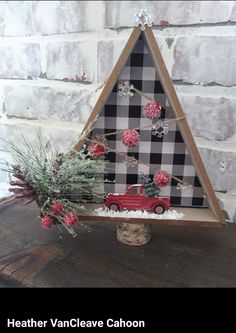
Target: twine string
{"type": "Point", "coordinates": [90, 128]}
{"type": "Point", "coordinates": [144, 127]}
{"type": "Point", "coordinates": [142, 94]}
{"type": "Point", "coordinates": [126, 157]}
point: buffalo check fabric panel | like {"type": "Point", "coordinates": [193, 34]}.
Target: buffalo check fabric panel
{"type": "Point", "coordinates": [167, 153]}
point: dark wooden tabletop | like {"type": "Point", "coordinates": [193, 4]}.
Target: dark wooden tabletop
{"type": "Point", "coordinates": [31, 256]}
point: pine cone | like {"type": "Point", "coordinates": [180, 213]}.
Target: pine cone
{"type": "Point", "coordinates": [24, 193]}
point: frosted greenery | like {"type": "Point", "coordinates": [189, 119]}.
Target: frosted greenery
{"type": "Point", "coordinates": [150, 189]}
{"type": "Point", "coordinates": [71, 179]}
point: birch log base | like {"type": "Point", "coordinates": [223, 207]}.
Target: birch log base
{"type": "Point", "coordinates": [134, 234]}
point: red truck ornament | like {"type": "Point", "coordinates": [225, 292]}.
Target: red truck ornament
{"type": "Point", "coordinates": [134, 199]}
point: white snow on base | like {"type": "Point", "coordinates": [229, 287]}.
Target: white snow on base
{"type": "Point", "coordinates": [168, 215]}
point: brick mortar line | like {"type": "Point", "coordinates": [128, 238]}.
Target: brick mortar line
{"type": "Point", "coordinates": [204, 91]}
{"type": "Point", "coordinates": [156, 27]}
{"type": "Point", "coordinates": [102, 35]}
{"type": "Point", "coordinates": [44, 123]}
{"type": "Point", "coordinates": [66, 126]}
{"type": "Point", "coordinates": [50, 83]}
{"type": "Point", "coordinates": [9, 42]}
{"type": "Point", "coordinates": [224, 146]}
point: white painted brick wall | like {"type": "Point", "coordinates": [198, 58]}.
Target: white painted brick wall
{"type": "Point", "coordinates": [210, 118]}
{"type": "Point", "coordinates": [20, 61]}
{"type": "Point", "coordinates": [45, 102]}
{"type": "Point", "coordinates": [221, 167]}
{"type": "Point", "coordinates": [193, 55]}
{"type": "Point", "coordinates": [44, 42]}
{"type": "Point", "coordinates": [14, 131]}
{"type": "Point", "coordinates": [25, 18]}
{"type": "Point", "coordinates": [68, 59]}
{"type": "Point", "coordinates": [108, 54]}
{"type": "Point", "coordinates": [121, 13]}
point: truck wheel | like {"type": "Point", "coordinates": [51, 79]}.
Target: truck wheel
{"type": "Point", "coordinates": [159, 209]}
{"type": "Point", "coordinates": [114, 207]}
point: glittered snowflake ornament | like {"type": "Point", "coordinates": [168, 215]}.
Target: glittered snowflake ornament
{"type": "Point", "coordinates": [159, 129]}
{"type": "Point", "coordinates": [131, 161]}
{"type": "Point", "coordinates": [124, 89]}
{"type": "Point", "coordinates": [143, 19]}
{"type": "Point", "coordinates": [184, 187]}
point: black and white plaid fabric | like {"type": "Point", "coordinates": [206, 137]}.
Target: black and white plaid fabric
{"type": "Point", "coordinates": [167, 153]}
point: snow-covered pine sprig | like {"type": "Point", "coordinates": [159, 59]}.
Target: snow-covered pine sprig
{"type": "Point", "coordinates": [54, 180]}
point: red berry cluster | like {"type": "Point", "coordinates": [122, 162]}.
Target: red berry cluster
{"type": "Point", "coordinates": [96, 150]}
{"type": "Point", "coordinates": [152, 110]}
{"type": "Point", "coordinates": [161, 178]}
{"type": "Point", "coordinates": [130, 138]}
{"type": "Point", "coordinates": [47, 222]}
{"type": "Point", "coordinates": [70, 219]}
{"type": "Point", "coordinates": [57, 207]}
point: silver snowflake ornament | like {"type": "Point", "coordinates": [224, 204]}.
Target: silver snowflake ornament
{"type": "Point", "coordinates": [131, 161]}
{"type": "Point", "coordinates": [124, 89]}
{"type": "Point", "coordinates": [143, 19]}
{"type": "Point", "coordinates": [159, 128]}
{"type": "Point", "coordinates": [184, 187]}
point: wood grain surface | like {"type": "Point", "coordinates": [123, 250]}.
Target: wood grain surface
{"type": "Point", "coordinates": [175, 257]}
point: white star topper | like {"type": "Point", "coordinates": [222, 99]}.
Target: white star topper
{"type": "Point", "coordinates": [142, 19]}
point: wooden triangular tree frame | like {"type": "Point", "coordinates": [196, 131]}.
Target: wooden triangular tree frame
{"type": "Point", "coordinates": [212, 216]}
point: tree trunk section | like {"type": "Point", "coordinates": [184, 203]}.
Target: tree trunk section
{"type": "Point", "coordinates": [134, 234]}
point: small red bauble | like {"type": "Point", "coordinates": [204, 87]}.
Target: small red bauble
{"type": "Point", "coordinates": [96, 150]}
{"type": "Point", "coordinates": [152, 110]}
{"type": "Point", "coordinates": [130, 138]}
{"type": "Point", "coordinates": [161, 178]}
{"type": "Point", "coordinates": [47, 222]}
{"type": "Point", "coordinates": [57, 207]}
{"type": "Point", "coordinates": [70, 219]}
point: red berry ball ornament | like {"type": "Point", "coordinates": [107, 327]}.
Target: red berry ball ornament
{"type": "Point", "coordinates": [47, 222]}
{"type": "Point", "coordinates": [70, 219]}
{"type": "Point", "coordinates": [130, 138]}
{"type": "Point", "coordinates": [161, 179]}
{"type": "Point", "coordinates": [96, 150]}
{"type": "Point", "coordinates": [57, 207]}
{"type": "Point", "coordinates": [152, 110]}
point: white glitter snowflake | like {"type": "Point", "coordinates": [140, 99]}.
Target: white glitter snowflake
{"type": "Point", "coordinates": [131, 161]}
{"type": "Point", "coordinates": [143, 19]}
{"type": "Point", "coordinates": [159, 128]}
{"type": "Point", "coordinates": [184, 187]}
{"type": "Point", "coordinates": [124, 89]}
